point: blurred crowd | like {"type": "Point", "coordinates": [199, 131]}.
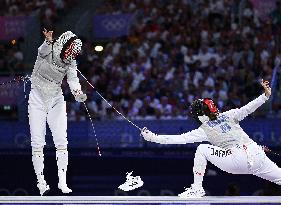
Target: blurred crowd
{"type": "Point", "coordinates": [178, 51]}
{"type": "Point", "coordinates": [12, 57]}
{"type": "Point", "coordinates": [47, 10]}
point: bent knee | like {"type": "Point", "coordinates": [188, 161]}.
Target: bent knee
{"type": "Point", "coordinates": [202, 147]}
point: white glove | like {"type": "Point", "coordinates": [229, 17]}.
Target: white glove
{"type": "Point", "coordinates": [148, 135]}
{"type": "Point", "coordinates": [80, 96]}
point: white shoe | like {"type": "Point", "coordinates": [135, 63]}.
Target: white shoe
{"type": "Point", "coordinates": [43, 187]}
{"type": "Point", "coordinates": [64, 188]}
{"type": "Point", "coordinates": [131, 182]}
{"type": "Point", "coordinates": [62, 185]}
{"type": "Point", "coordinates": [193, 192]}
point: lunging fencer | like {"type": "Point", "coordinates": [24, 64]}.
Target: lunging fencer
{"type": "Point", "coordinates": [55, 60]}
{"type": "Point", "coordinates": [231, 149]}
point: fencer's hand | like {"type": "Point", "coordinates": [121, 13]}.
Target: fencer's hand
{"type": "Point", "coordinates": [80, 96]}
{"type": "Point", "coordinates": [48, 35]}
{"type": "Point", "coordinates": [148, 135]}
{"type": "Point", "coordinates": [267, 89]}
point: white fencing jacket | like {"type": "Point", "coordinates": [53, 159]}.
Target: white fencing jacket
{"type": "Point", "coordinates": [225, 132]}
{"type": "Point", "coordinates": [49, 71]}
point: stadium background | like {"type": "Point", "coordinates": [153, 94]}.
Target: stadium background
{"type": "Point", "coordinates": [158, 56]}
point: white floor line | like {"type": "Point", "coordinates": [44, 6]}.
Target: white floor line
{"type": "Point", "coordinates": [139, 199]}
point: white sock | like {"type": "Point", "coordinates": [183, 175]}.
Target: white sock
{"type": "Point", "coordinates": [200, 164]}
{"type": "Point", "coordinates": [62, 162]}
{"type": "Point", "coordinates": [38, 163]}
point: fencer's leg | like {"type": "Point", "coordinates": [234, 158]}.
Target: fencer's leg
{"type": "Point", "coordinates": [38, 164]}
{"type": "Point", "coordinates": [269, 171]}
{"type": "Point", "coordinates": [234, 161]}
{"type": "Point", "coordinates": [37, 122]}
{"type": "Point", "coordinates": [199, 167]}
{"type": "Point", "coordinates": [57, 121]}
{"type": "Point", "coordinates": [62, 162]}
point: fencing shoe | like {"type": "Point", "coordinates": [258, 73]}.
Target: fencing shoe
{"type": "Point", "coordinates": [131, 182]}
{"type": "Point", "coordinates": [62, 182]}
{"type": "Point", "coordinates": [192, 192]}
{"type": "Point", "coordinates": [43, 187]}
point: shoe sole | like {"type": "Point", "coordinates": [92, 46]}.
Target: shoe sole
{"type": "Point", "coordinates": [65, 192]}
{"type": "Point", "coordinates": [188, 197]}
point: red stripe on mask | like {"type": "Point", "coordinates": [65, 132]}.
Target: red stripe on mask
{"type": "Point", "coordinates": [211, 105]}
{"type": "Point", "coordinates": [70, 51]}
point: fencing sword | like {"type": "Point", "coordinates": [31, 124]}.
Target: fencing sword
{"type": "Point", "coordinates": [18, 79]}
{"type": "Point", "coordinates": [109, 105]}
{"type": "Point", "coordinates": [15, 80]}
{"type": "Point", "coordinates": [108, 102]}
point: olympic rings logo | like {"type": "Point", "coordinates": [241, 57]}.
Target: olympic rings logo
{"type": "Point", "coordinates": [113, 24]}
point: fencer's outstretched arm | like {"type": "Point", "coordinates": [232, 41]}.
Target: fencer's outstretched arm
{"type": "Point", "coordinates": [241, 113]}
{"type": "Point", "coordinates": [197, 135]}
{"type": "Point", "coordinates": [46, 48]}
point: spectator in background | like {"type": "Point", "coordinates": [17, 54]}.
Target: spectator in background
{"type": "Point", "coordinates": [276, 15]}
{"type": "Point", "coordinates": [183, 50]}
{"type": "Point", "coordinates": [179, 49]}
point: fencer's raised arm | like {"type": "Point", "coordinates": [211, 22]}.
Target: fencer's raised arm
{"type": "Point", "coordinates": [241, 113]}
{"type": "Point", "coordinates": [197, 135]}
{"type": "Point", "coordinates": [46, 48]}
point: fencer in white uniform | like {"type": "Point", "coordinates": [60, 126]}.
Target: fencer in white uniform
{"type": "Point", "coordinates": [55, 60]}
{"type": "Point", "coordinates": [230, 148]}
